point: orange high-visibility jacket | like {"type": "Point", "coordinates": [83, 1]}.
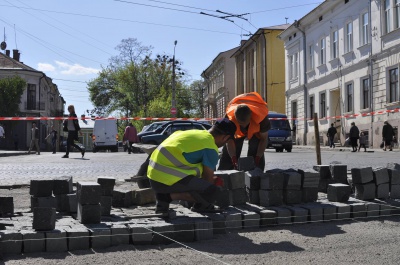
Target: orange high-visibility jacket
{"type": "Point", "coordinates": [259, 109]}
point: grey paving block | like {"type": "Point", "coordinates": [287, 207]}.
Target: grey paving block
{"type": "Point", "coordinates": [144, 196]}
{"type": "Point", "coordinates": [223, 199]}
{"type": "Point", "coordinates": [10, 242]}
{"type": "Point", "coordinates": [292, 180]}
{"type": "Point", "coordinates": [100, 236]}
{"type": "Point", "coordinates": [62, 185]}
{"type": "Point", "coordinates": [41, 188]}
{"type": "Point", "coordinates": [271, 197]}
{"type": "Point", "coordinates": [309, 195]}
{"type": "Point", "coordinates": [292, 196]}
{"type": "Point", "coordinates": [162, 232]}
{"type": "Point", "coordinates": [72, 203]}
{"type": "Point", "coordinates": [283, 215]}
{"type": "Point", "coordinates": [33, 241]}
{"type": "Point", "coordinates": [395, 206]}
{"type": "Point", "coordinates": [323, 185]}
{"type": "Point", "coordinates": [299, 215]}
{"type": "Point", "coordinates": [394, 176]}
{"type": "Point", "coordinates": [49, 201]}
{"type": "Point", "coordinates": [338, 192]}
{"type": "Point", "coordinates": [358, 210]}
{"type": "Point", "coordinates": [373, 209]}
{"type": "Point", "coordinates": [106, 203]}
{"type": "Point", "coordinates": [238, 196]}
{"type": "Point", "coordinates": [343, 210]}
{"type": "Point", "coordinates": [141, 234]}
{"type": "Point", "coordinates": [381, 175]}
{"type": "Point", "coordinates": [315, 212]}
{"type": "Point", "coordinates": [324, 171]}
{"type": "Point", "coordinates": [6, 205]}
{"type": "Point", "coordinates": [119, 235]}
{"type": "Point", "coordinates": [246, 163]}
{"type": "Point", "coordinates": [339, 173]}
{"type": "Point", "coordinates": [88, 192]}
{"type": "Point", "coordinates": [254, 196]}
{"type": "Point", "coordinates": [272, 180]}
{"type": "Point", "coordinates": [62, 202]}
{"type": "Point", "coordinates": [107, 185]}
{"type": "Point", "coordinates": [309, 178]}
{"type": "Point", "coordinates": [268, 217]}
{"type": "Point", "coordinates": [382, 191]}
{"type": "Point", "coordinates": [56, 241]}
{"type": "Point", "coordinates": [252, 179]}
{"type": "Point", "coordinates": [250, 219]}
{"type": "Point", "coordinates": [365, 191]}
{"type": "Point", "coordinates": [395, 191]}
{"type": "Point", "coordinates": [219, 222]}
{"type": "Point", "coordinates": [122, 198]}
{"type": "Point", "coordinates": [362, 175]}
{"type": "Point", "coordinates": [233, 179]}
{"type": "Point", "coordinates": [44, 218]}
{"type": "Point", "coordinates": [394, 166]}
{"type": "Point", "coordinates": [329, 211]}
{"type": "Point", "coordinates": [89, 214]}
{"type": "Point", "coordinates": [233, 218]}
{"type": "Point", "coordinates": [78, 238]}
{"type": "Point", "coordinates": [184, 230]}
{"type": "Point", "coordinates": [203, 229]}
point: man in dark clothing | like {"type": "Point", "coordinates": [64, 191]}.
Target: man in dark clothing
{"type": "Point", "coordinates": [331, 135]}
{"type": "Point", "coordinates": [387, 134]}
{"type": "Point", "coordinates": [354, 135]}
{"type": "Point", "coordinates": [34, 139]}
{"type": "Point", "coordinates": [53, 135]}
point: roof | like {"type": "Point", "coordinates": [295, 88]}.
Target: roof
{"type": "Point", "coordinates": [218, 56]}
{"type": "Point", "coordinates": [6, 62]}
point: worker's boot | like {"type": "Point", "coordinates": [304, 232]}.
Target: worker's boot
{"type": "Point", "coordinates": [202, 205]}
{"type": "Point", "coordinates": [162, 203]}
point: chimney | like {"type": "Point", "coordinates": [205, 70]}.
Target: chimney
{"type": "Point", "coordinates": [16, 55]}
{"type": "Point", "coordinates": [8, 53]}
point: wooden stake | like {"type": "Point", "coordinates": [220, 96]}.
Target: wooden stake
{"type": "Point", "coordinates": [317, 142]}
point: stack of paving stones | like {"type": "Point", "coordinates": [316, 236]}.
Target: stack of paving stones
{"type": "Point", "coordinates": [233, 191]}
{"type": "Point", "coordinates": [107, 188]}
{"type": "Point", "coordinates": [363, 181]}
{"type": "Point", "coordinates": [310, 179]}
{"type": "Point", "coordinates": [66, 200]}
{"type": "Point", "coordinates": [394, 180]}
{"type": "Point", "coordinates": [89, 208]}
{"type": "Point", "coordinates": [43, 204]}
{"type": "Point", "coordinates": [381, 179]}
{"type": "Point", "coordinates": [325, 177]}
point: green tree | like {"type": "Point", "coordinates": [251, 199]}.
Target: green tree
{"type": "Point", "coordinates": [11, 89]}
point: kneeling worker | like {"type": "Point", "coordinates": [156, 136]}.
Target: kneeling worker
{"type": "Point", "coordinates": [182, 167]}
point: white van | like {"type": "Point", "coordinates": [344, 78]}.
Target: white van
{"type": "Point", "coordinates": [105, 135]}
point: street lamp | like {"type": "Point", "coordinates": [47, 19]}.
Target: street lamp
{"type": "Point", "coordinates": [173, 106]}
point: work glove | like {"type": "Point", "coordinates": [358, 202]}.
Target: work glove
{"type": "Point", "coordinates": [257, 160]}
{"type": "Point", "coordinates": [218, 181]}
{"type": "Point", "coordinates": [234, 162]}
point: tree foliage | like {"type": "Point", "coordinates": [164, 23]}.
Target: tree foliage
{"type": "Point", "coordinates": [11, 89]}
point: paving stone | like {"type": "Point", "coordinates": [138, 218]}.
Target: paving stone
{"type": "Point", "coordinates": [385, 210]}
{"type": "Point", "coordinates": [343, 211]}
{"type": "Point", "coordinates": [309, 195]}
{"type": "Point", "coordinates": [88, 193]}
{"type": "Point", "coordinates": [140, 234]}
{"type": "Point", "coordinates": [358, 210]}
{"type": "Point", "coordinates": [250, 219]}
{"type": "Point", "coordinates": [299, 215]}
{"type": "Point", "coordinates": [219, 222]}
{"type": "Point", "coordinates": [253, 178]}
{"type": "Point", "coordinates": [395, 206]}
{"type": "Point", "coordinates": [365, 191]}
{"type": "Point", "coordinates": [161, 232]}
{"type": "Point", "coordinates": [62, 185]}
{"type": "Point", "coordinates": [381, 175]}
{"type": "Point", "coordinates": [272, 180]}
{"type": "Point", "coordinates": [10, 242]}
{"type": "Point", "coordinates": [6, 205]}
{"type": "Point", "coordinates": [394, 166]}
{"type": "Point", "coordinates": [324, 171]}
{"type": "Point", "coordinates": [238, 196]}
{"type": "Point", "coordinates": [292, 196]}
{"type": "Point", "coordinates": [309, 178]}
{"type": "Point", "coordinates": [292, 180]}
{"type": "Point", "coordinates": [106, 203]}
{"type": "Point", "coordinates": [271, 197]}
{"type": "Point", "coordinates": [44, 218]}
{"type": "Point", "coordinates": [144, 196]}
{"type": "Point", "coordinates": [41, 188]}
{"type": "Point", "coordinates": [394, 176]}
{"type": "Point", "coordinates": [329, 211]}
{"type": "Point", "coordinates": [323, 185]}
{"type": "Point", "coordinates": [72, 203]}
{"type": "Point", "coordinates": [233, 218]}
{"type": "Point", "coordinates": [183, 229]}
{"type": "Point", "coordinates": [62, 203]}
{"type": "Point", "coordinates": [283, 215]}
{"type": "Point", "coordinates": [382, 191]}
{"type": "Point", "coordinates": [100, 236]}
{"type": "Point", "coordinates": [78, 238]}
{"type": "Point", "coordinates": [268, 217]}
{"type": "Point", "coordinates": [338, 192]}
{"type": "Point", "coordinates": [33, 241]}
{"type": "Point", "coordinates": [203, 229]}
{"type": "Point", "coordinates": [143, 183]}
{"type": "Point", "coordinates": [119, 235]}
{"type": "Point", "coordinates": [373, 209]}
{"type": "Point", "coordinates": [395, 191]}
{"type": "Point", "coordinates": [315, 212]}
{"type": "Point", "coordinates": [56, 241]}
{"type": "Point", "coordinates": [107, 185]}
{"type": "Point", "coordinates": [233, 179]}
{"type": "Point", "coordinates": [254, 196]}
{"type": "Point", "coordinates": [122, 198]}
{"type": "Point", "coordinates": [362, 175]}
{"type": "Point", "coordinates": [49, 201]}
{"type": "Point", "coordinates": [89, 214]}
{"type": "Point", "coordinates": [339, 173]}
{"type": "Point", "coordinates": [246, 163]}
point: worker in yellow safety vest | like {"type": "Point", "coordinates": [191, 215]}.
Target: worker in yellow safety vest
{"type": "Point", "coordinates": [182, 167]}
{"type": "Point", "coordinates": [249, 113]}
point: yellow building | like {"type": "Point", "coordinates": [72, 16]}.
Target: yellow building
{"type": "Point", "coordinates": [260, 67]}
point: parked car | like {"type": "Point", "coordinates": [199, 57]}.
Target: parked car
{"type": "Point", "coordinates": [105, 135]}
{"type": "Point", "coordinates": [152, 126]}
{"type": "Point", "coordinates": [168, 129]}
{"type": "Point", "coordinates": [160, 126]}
{"type": "Point", "coordinates": [280, 134]}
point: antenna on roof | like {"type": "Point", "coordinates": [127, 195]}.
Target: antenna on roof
{"type": "Point", "coordinates": [286, 19]}
{"type": "Point", "coordinates": [3, 45]}
{"type": "Point", "coordinates": [15, 33]}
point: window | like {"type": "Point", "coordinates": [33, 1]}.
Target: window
{"type": "Point", "coordinates": [394, 85]}
{"type": "Point", "coordinates": [311, 57]}
{"type": "Point", "coordinates": [293, 71]}
{"type": "Point", "coordinates": [349, 97]}
{"type": "Point", "coordinates": [322, 105]}
{"type": "Point", "coordinates": [335, 44]}
{"type": "Point", "coordinates": [388, 25]}
{"type": "Point", "coordinates": [365, 93]}
{"type": "Point", "coordinates": [322, 52]}
{"type": "Point", "coordinates": [365, 28]}
{"type": "Point", "coordinates": [349, 37]}
{"type": "Point", "coordinates": [312, 109]}
{"type": "Point", "coordinates": [397, 13]}
{"type": "Point", "coordinates": [31, 97]}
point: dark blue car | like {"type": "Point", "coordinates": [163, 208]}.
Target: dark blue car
{"type": "Point", "coordinates": [280, 134]}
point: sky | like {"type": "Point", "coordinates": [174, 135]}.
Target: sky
{"type": "Point", "coordinates": [70, 41]}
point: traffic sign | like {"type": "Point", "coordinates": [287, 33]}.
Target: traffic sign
{"type": "Point", "coordinates": [173, 111]}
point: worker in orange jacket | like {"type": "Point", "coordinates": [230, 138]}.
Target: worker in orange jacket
{"type": "Point", "coordinates": [249, 113]}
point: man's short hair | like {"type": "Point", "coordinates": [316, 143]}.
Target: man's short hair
{"type": "Point", "coordinates": [242, 113]}
{"type": "Point", "coordinates": [224, 127]}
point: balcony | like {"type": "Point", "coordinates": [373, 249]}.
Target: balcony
{"type": "Point", "coordinates": [34, 105]}
{"type": "Point", "coordinates": [210, 98]}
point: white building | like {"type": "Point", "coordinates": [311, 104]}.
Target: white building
{"type": "Point", "coordinates": [342, 62]}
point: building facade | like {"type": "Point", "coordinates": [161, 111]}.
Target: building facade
{"type": "Point", "coordinates": [342, 62]}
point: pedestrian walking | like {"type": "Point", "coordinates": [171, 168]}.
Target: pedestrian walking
{"type": "Point", "coordinates": [363, 142]}
{"type": "Point", "coordinates": [182, 167]}
{"type": "Point", "coordinates": [53, 134]}
{"type": "Point", "coordinates": [249, 113]}
{"type": "Point", "coordinates": [34, 138]}
{"type": "Point", "coordinates": [387, 135]}
{"type": "Point", "coordinates": [354, 135]}
{"type": "Point", "coordinates": [331, 135]}
{"type": "Point", "coordinates": [130, 136]}
{"type": "Point", "coordinates": [71, 126]}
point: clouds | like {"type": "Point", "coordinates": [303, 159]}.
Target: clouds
{"type": "Point", "coordinates": [66, 69]}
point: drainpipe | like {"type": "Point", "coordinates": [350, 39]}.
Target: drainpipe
{"type": "Point", "coordinates": [370, 62]}
{"type": "Point", "coordinates": [297, 26]}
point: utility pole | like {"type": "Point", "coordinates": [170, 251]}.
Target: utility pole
{"type": "Point", "coordinates": [173, 105]}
